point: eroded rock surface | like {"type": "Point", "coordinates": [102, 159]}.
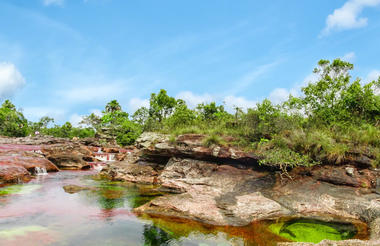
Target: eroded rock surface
{"type": "Point", "coordinates": [13, 174]}
{"type": "Point", "coordinates": [19, 162]}
{"type": "Point", "coordinates": [157, 146]}
{"type": "Point", "coordinates": [69, 155]}
{"type": "Point", "coordinates": [225, 186]}
{"type": "Point", "coordinates": [22, 157]}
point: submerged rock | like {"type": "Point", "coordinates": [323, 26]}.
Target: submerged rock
{"type": "Point", "coordinates": [72, 189]}
{"type": "Point", "coordinates": [20, 231]}
{"type": "Point", "coordinates": [19, 189]}
{"type": "Point", "coordinates": [313, 231]}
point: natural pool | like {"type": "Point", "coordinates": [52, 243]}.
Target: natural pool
{"type": "Point", "coordinates": [41, 213]}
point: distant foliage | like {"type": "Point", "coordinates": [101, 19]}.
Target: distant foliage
{"type": "Point", "coordinates": [115, 123]}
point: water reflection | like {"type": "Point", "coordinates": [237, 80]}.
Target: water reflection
{"type": "Point", "coordinates": [116, 198]}
{"type": "Point", "coordinates": [154, 236]}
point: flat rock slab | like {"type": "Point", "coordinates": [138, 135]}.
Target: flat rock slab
{"type": "Point", "coordinates": [214, 194]}
{"type": "Point", "coordinates": [313, 198]}
{"type": "Point", "coordinates": [200, 204]}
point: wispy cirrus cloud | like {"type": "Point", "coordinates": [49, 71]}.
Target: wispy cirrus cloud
{"type": "Point", "coordinates": [252, 76]}
{"type": "Point", "coordinates": [349, 57]}
{"type": "Point", "coordinates": [348, 16]}
{"type": "Point", "coordinates": [53, 2]}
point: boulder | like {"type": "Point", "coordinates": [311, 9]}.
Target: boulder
{"type": "Point", "coordinates": [69, 156]}
{"type": "Point", "coordinates": [13, 174]}
{"type": "Point", "coordinates": [28, 162]}
{"type": "Point", "coordinates": [126, 171]}
{"type": "Point", "coordinates": [17, 164]}
{"type": "Point", "coordinates": [213, 194]}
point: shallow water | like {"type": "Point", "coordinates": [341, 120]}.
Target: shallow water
{"type": "Point", "coordinates": [42, 213]}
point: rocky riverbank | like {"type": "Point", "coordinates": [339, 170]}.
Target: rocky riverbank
{"type": "Point", "coordinates": [226, 186]}
{"type": "Point", "coordinates": [216, 185]}
{"type": "Point", "coordinates": [21, 158]}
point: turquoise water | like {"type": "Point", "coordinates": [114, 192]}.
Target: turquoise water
{"type": "Point", "coordinates": [41, 213]}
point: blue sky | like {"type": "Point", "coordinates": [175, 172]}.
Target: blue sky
{"type": "Point", "coordinates": [68, 58]}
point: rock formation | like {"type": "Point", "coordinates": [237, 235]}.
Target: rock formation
{"type": "Point", "coordinates": [226, 186]}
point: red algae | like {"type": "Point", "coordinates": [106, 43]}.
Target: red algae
{"type": "Point", "coordinates": [19, 147]}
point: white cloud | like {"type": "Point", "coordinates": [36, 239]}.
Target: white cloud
{"type": "Point", "coordinates": [192, 100]}
{"type": "Point", "coordinates": [36, 113]}
{"type": "Point", "coordinates": [136, 103]}
{"type": "Point", "coordinates": [279, 95]}
{"type": "Point", "coordinates": [373, 75]}
{"type": "Point", "coordinates": [349, 57]}
{"type": "Point", "coordinates": [11, 80]}
{"type": "Point", "coordinates": [75, 119]}
{"type": "Point", "coordinates": [53, 2]}
{"type": "Point", "coordinates": [347, 17]}
{"type": "Point", "coordinates": [233, 101]}
{"type": "Point", "coordinates": [96, 112]}
{"type": "Point", "coordinates": [101, 90]}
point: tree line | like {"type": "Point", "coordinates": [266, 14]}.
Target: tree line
{"type": "Point", "coordinates": [334, 116]}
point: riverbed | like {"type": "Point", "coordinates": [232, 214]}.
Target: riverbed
{"type": "Point", "coordinates": [99, 212]}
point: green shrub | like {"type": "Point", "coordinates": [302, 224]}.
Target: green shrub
{"type": "Point", "coordinates": [285, 158]}
{"type": "Point", "coordinates": [213, 140]}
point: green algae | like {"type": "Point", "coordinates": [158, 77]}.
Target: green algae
{"type": "Point", "coordinates": [19, 189]}
{"type": "Point", "coordinates": [116, 194]}
{"type": "Point", "coordinates": [20, 231]}
{"type": "Point", "coordinates": [313, 231]}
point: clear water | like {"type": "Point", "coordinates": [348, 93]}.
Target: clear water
{"type": "Point", "coordinates": [42, 213]}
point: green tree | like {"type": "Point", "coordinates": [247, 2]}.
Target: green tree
{"type": "Point", "coordinates": [112, 106]}
{"type": "Point", "coordinates": [161, 105]}
{"type": "Point", "coordinates": [141, 116]}
{"type": "Point", "coordinates": [210, 112]}
{"type": "Point", "coordinates": [92, 120]}
{"type": "Point", "coordinates": [116, 123]}
{"type": "Point", "coordinates": [322, 98]}
{"type": "Point", "coordinates": [181, 117]}
{"type": "Point", "coordinates": [12, 122]}
{"type": "Point", "coordinates": [41, 125]}
{"type": "Point", "coordinates": [360, 103]}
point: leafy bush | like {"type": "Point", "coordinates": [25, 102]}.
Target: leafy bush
{"type": "Point", "coordinates": [285, 158]}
